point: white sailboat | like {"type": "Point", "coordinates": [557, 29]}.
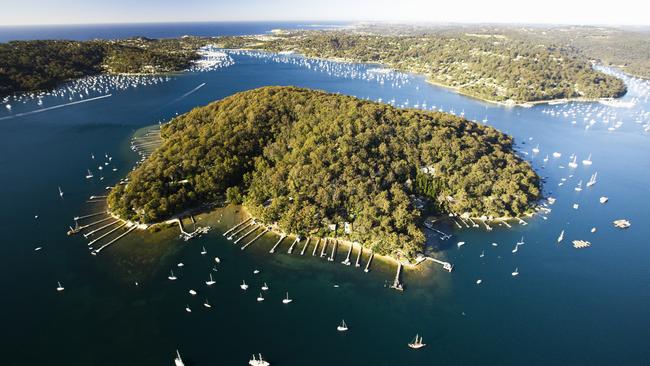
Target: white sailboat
{"type": "Point", "coordinates": [482, 254]}
{"type": "Point", "coordinates": [603, 199]}
{"type": "Point", "coordinates": [536, 149]}
{"type": "Point", "coordinates": [561, 237]}
{"type": "Point", "coordinates": [587, 161]}
{"type": "Point", "coordinates": [178, 361]}
{"type": "Point", "coordinates": [243, 285]}
{"type": "Point", "coordinates": [203, 251]}
{"type": "Point", "coordinates": [265, 287]}
{"type": "Point", "coordinates": [192, 292]}
{"type": "Point", "coordinates": [578, 188]}
{"type": "Point", "coordinates": [573, 163]}
{"type": "Point", "coordinates": [287, 300]}
{"type": "Point", "coordinates": [342, 327]}
{"type": "Point", "coordinates": [260, 298]}
{"type": "Point", "coordinates": [258, 361]}
{"type": "Point", "coordinates": [89, 175]}
{"type": "Point", "coordinates": [417, 343]}
{"type": "Point", "coordinates": [521, 242]}
{"type": "Point", "coordinates": [207, 304]}
{"type": "Point", "coordinates": [187, 308]}
{"type": "Point", "coordinates": [60, 192]}
{"type": "Point", "coordinates": [210, 282]}
{"type": "Point", "coordinates": [171, 276]}
{"type": "Point", "coordinates": [557, 155]}
{"type": "Point", "coordinates": [516, 272]}
{"type": "Point", "coordinates": [592, 180]}
{"type": "Point", "coordinates": [59, 287]}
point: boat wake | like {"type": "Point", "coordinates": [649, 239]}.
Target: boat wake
{"type": "Point", "coordinates": [55, 107]}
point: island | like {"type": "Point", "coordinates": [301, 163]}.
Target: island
{"type": "Point", "coordinates": [304, 160]}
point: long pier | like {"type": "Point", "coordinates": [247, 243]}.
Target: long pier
{"type": "Point", "coordinates": [367, 269]}
{"type": "Point", "coordinates": [277, 243]}
{"type": "Point", "coordinates": [89, 215]}
{"type": "Point", "coordinates": [333, 255]}
{"type": "Point", "coordinates": [236, 226]}
{"type": "Point", "coordinates": [255, 238]}
{"type": "Point", "coordinates": [397, 285]}
{"type": "Point", "coordinates": [358, 262]}
{"type": "Point", "coordinates": [255, 227]}
{"type": "Point", "coordinates": [241, 229]}
{"type": "Point", "coordinates": [96, 251]}
{"type": "Point", "coordinates": [304, 247]}
{"type": "Point", "coordinates": [347, 259]}
{"type": "Point", "coordinates": [293, 245]}
{"type": "Point", "coordinates": [446, 265]}
{"type": "Point", "coordinates": [86, 235]}
{"type": "Point", "coordinates": [506, 224]}
{"type": "Point", "coordinates": [313, 253]}
{"type": "Point", "coordinates": [322, 251]}
{"type": "Point", "coordinates": [109, 232]}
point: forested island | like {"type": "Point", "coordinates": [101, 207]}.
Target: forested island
{"type": "Point", "coordinates": [305, 159]}
{"type": "Point", "coordinates": [492, 67]}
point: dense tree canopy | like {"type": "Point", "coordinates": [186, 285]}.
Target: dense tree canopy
{"type": "Point", "coordinates": [306, 159]}
{"type": "Point", "coordinates": [495, 68]}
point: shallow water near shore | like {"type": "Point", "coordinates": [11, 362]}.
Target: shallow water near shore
{"type": "Point", "coordinates": [567, 306]}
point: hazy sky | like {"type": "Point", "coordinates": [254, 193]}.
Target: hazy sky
{"type": "Point", "coordinates": [624, 12]}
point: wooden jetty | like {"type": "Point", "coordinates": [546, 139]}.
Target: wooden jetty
{"type": "Point", "coordinates": [313, 253]}
{"type": "Point", "coordinates": [255, 227]}
{"type": "Point", "coordinates": [358, 261]}
{"type": "Point", "coordinates": [252, 222]}
{"type": "Point", "coordinates": [322, 251]}
{"type": "Point", "coordinates": [347, 259]}
{"type": "Point", "coordinates": [255, 238]}
{"type": "Point", "coordinates": [290, 250]}
{"type": "Point", "coordinates": [333, 255]}
{"type": "Point", "coordinates": [236, 226]}
{"type": "Point", "coordinates": [106, 234]}
{"type": "Point", "coordinates": [397, 285]}
{"type": "Point", "coordinates": [367, 269]}
{"type": "Point", "coordinates": [304, 247]}
{"type": "Point", "coordinates": [277, 243]}
{"type": "Point", "coordinates": [96, 251]}
{"type": "Point", "coordinates": [86, 235]}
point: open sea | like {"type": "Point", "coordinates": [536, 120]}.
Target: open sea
{"type": "Point", "coordinates": [566, 306]}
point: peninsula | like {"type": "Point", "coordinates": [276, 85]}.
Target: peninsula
{"type": "Point", "coordinates": [306, 159]}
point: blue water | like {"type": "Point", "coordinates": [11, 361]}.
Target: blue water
{"type": "Point", "coordinates": [150, 30]}
{"type": "Point", "coordinates": [567, 306]}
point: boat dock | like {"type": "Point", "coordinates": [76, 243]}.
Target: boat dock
{"type": "Point", "coordinates": [322, 251]}
{"type": "Point", "coordinates": [290, 250]}
{"type": "Point", "coordinates": [347, 259]}
{"type": "Point", "coordinates": [358, 262]}
{"type": "Point", "coordinates": [255, 227]}
{"type": "Point", "coordinates": [106, 234]}
{"type": "Point", "coordinates": [313, 253]}
{"type": "Point", "coordinates": [333, 255]}
{"type": "Point", "coordinates": [89, 215]}
{"type": "Point", "coordinates": [86, 235]}
{"type": "Point", "coordinates": [304, 247]}
{"type": "Point", "coordinates": [277, 243]}
{"type": "Point", "coordinates": [236, 226]}
{"type": "Point", "coordinates": [446, 265]}
{"type": "Point", "coordinates": [255, 238]}
{"type": "Point", "coordinates": [96, 251]}
{"type": "Point", "coordinates": [397, 285]}
{"type": "Point", "coordinates": [252, 222]}
{"type": "Point", "coordinates": [367, 269]}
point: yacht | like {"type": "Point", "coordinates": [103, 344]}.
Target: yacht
{"type": "Point", "coordinates": [521, 242]}
{"type": "Point", "coordinates": [573, 163]}
{"type": "Point", "coordinates": [460, 244]}
{"type": "Point", "coordinates": [187, 308]}
{"type": "Point", "coordinates": [479, 281]}
{"type": "Point", "coordinates": [171, 276]}
{"type": "Point", "coordinates": [592, 180]}
{"type": "Point", "coordinates": [210, 282]}
{"type": "Point", "coordinates": [207, 304]}
{"type": "Point", "coordinates": [89, 175]}
{"type": "Point", "coordinates": [203, 251]}
{"type": "Point", "coordinates": [482, 254]}
{"type": "Point", "coordinates": [516, 248]}
{"type": "Point", "coordinates": [557, 154]}
{"type": "Point", "coordinates": [243, 285]}
{"type": "Point", "coordinates": [536, 149]}
{"type": "Point", "coordinates": [260, 298]}
{"type": "Point", "coordinates": [59, 287]}
{"type": "Point", "coordinates": [287, 300]}
{"type": "Point", "coordinates": [265, 287]}
{"type": "Point", "coordinates": [60, 192]}
{"type": "Point", "coordinates": [417, 343]}
{"type": "Point", "coordinates": [342, 327]}
{"type": "Point", "coordinates": [578, 188]}
{"type": "Point", "coordinates": [192, 292]}
{"type": "Point", "coordinates": [516, 272]}
{"type": "Point", "coordinates": [561, 237]}
{"type": "Point", "coordinates": [258, 361]}
{"type": "Point", "coordinates": [178, 361]}
{"type": "Point", "coordinates": [587, 161]}
{"type": "Point", "coordinates": [603, 199]}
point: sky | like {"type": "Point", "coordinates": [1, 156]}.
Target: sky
{"type": "Point", "coordinates": [619, 12]}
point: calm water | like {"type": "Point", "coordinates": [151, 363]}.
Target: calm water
{"type": "Point", "coordinates": [567, 306]}
{"type": "Point", "coordinates": [151, 30]}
